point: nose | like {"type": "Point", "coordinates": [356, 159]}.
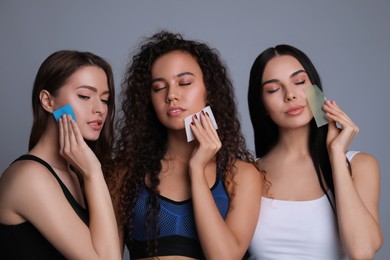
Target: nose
{"type": "Point", "coordinates": [100, 107]}
{"type": "Point", "coordinates": [172, 94]}
{"type": "Point", "coordinates": [290, 95]}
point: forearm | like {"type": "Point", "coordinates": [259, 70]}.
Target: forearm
{"type": "Point", "coordinates": [102, 222]}
{"type": "Point", "coordinates": [216, 238]}
{"type": "Point", "coordinates": [359, 231]}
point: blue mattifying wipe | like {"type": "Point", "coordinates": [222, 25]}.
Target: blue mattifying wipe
{"type": "Point", "coordinates": [65, 110]}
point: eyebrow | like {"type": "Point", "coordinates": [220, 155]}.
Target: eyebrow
{"type": "Point", "coordinates": [176, 76]}
{"type": "Point", "coordinates": [297, 72]}
{"type": "Point", "coordinates": [93, 89]}
{"type": "Point", "coordinates": [275, 80]}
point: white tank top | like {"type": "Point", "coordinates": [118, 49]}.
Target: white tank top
{"type": "Point", "coordinates": [297, 230]}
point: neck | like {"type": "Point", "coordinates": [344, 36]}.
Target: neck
{"type": "Point", "coordinates": [293, 143]}
{"type": "Point", "coordinates": [178, 147]}
{"type": "Point", "coordinates": [47, 147]}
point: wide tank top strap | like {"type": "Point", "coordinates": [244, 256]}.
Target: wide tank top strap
{"type": "Point", "coordinates": [83, 214]}
{"type": "Point", "coordinates": [40, 161]}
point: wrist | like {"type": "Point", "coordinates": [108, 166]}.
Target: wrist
{"type": "Point", "coordinates": [92, 173]}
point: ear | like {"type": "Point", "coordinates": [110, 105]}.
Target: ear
{"type": "Point", "coordinates": [47, 101]}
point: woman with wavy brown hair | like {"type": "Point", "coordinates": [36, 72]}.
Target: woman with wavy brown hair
{"type": "Point", "coordinates": [54, 201]}
{"type": "Point", "coordinates": [196, 199]}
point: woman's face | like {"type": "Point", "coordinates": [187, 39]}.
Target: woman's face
{"type": "Point", "coordinates": [284, 81]}
{"type": "Point", "coordinates": [86, 90]}
{"type": "Point", "coordinates": [177, 89]}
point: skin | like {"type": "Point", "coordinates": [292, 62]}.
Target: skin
{"type": "Point", "coordinates": [86, 91]}
{"type": "Point", "coordinates": [189, 169]}
{"type": "Point", "coordinates": [291, 171]}
{"type": "Point", "coordinates": [61, 145]}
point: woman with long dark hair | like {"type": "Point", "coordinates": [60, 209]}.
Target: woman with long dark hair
{"type": "Point", "coordinates": [320, 201]}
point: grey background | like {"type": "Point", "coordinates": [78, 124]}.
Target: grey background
{"type": "Point", "coordinates": [347, 40]}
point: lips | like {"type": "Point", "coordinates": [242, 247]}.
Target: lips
{"type": "Point", "coordinates": [295, 110]}
{"type": "Point", "coordinates": [96, 124]}
{"type": "Point", "coordinates": [174, 111]}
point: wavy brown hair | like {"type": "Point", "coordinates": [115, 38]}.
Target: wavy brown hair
{"type": "Point", "coordinates": [52, 76]}
{"type": "Point", "coordinates": [142, 139]}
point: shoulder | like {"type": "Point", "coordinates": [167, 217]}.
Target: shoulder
{"type": "Point", "coordinates": [24, 179]}
{"type": "Point", "coordinates": [246, 172]}
{"type": "Point", "coordinates": [244, 166]}
{"type": "Point", "coordinates": [365, 165]}
{"type": "Point", "coordinates": [363, 159]}
{"type": "Point", "coordinates": [246, 185]}
{"type": "Point", "coordinates": [25, 171]}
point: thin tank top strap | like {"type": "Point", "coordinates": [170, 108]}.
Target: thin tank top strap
{"type": "Point", "coordinates": [81, 212]}
{"type": "Point", "coordinates": [349, 155]}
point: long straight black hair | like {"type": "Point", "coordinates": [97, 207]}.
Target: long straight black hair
{"type": "Point", "coordinates": [266, 132]}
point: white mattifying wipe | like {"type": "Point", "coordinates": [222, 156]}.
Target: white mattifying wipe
{"type": "Point", "coordinates": [188, 120]}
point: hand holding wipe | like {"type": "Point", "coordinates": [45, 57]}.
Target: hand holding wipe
{"type": "Point", "coordinates": [188, 120]}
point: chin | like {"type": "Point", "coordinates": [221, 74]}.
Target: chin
{"type": "Point", "coordinates": [91, 137]}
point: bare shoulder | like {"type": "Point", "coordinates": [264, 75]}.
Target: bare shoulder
{"type": "Point", "coordinates": [365, 164]}
{"type": "Point", "coordinates": [246, 171]}
{"type": "Point", "coordinates": [246, 184]}
{"type": "Point", "coordinates": [27, 176]}
{"type": "Point", "coordinates": [25, 171]}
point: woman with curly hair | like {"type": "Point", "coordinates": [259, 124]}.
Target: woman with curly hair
{"type": "Point", "coordinates": [195, 199]}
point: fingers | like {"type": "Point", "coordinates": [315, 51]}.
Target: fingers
{"type": "Point", "coordinates": [61, 134]}
{"type": "Point", "coordinates": [335, 113]}
{"type": "Point", "coordinates": [71, 133]}
{"type": "Point", "coordinates": [208, 124]}
{"type": "Point", "coordinates": [76, 131]}
{"type": "Point", "coordinates": [204, 129]}
{"type": "Point", "coordinates": [70, 136]}
{"type": "Point", "coordinates": [340, 138]}
{"type": "Point", "coordinates": [205, 133]}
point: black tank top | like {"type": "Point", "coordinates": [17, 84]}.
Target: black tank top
{"type": "Point", "coordinates": [23, 241]}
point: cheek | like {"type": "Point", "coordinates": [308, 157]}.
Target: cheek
{"type": "Point", "coordinates": [302, 93]}
{"type": "Point", "coordinates": [199, 97]}
{"type": "Point", "coordinates": [79, 108]}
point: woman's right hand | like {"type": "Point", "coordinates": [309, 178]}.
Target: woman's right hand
{"type": "Point", "coordinates": [208, 139]}
{"type": "Point", "coordinates": [74, 148]}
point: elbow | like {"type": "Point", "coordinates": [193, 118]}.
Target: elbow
{"type": "Point", "coordinates": [367, 252]}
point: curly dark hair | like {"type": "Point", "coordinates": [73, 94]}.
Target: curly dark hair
{"type": "Point", "coordinates": [142, 139]}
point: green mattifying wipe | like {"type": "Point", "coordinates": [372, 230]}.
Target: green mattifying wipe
{"type": "Point", "coordinates": [316, 100]}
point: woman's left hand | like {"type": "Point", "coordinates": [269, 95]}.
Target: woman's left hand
{"type": "Point", "coordinates": [207, 136]}
{"type": "Point", "coordinates": [339, 139]}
